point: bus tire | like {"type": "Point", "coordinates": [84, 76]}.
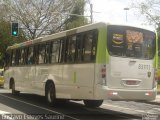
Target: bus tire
{"type": "Point", "coordinates": [93, 103]}
{"type": "Point", "coordinates": [50, 94]}
{"type": "Point", "coordinates": [14, 92]}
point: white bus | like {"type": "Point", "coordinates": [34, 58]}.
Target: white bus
{"type": "Point", "coordinates": [90, 63]}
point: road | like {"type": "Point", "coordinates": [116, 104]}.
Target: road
{"type": "Point", "coordinates": [33, 107]}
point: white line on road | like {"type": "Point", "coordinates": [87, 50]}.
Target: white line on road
{"type": "Point", "coordinates": [139, 111]}
{"type": "Point", "coordinates": [39, 107]}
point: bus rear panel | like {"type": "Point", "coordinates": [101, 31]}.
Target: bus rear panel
{"type": "Point", "coordinates": [131, 69]}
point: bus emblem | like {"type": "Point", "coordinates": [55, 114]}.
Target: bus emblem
{"type": "Point", "coordinates": [149, 74]}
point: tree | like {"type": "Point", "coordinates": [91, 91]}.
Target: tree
{"type": "Point", "coordinates": [6, 39]}
{"type": "Point", "coordinates": [76, 21]}
{"type": "Point", "coordinates": [149, 9]}
{"type": "Point", "coordinates": [39, 16]}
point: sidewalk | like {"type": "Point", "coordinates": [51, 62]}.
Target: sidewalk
{"type": "Point", "coordinates": [157, 100]}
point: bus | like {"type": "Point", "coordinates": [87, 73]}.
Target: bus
{"type": "Point", "coordinates": [92, 63]}
{"type": "Point", "coordinates": [1, 78]}
{"type": "Point", "coordinates": [158, 59]}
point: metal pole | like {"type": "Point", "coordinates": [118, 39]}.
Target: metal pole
{"type": "Point", "coordinates": [126, 12]}
{"type": "Point", "coordinates": [91, 10]}
{"type": "Point", "coordinates": [91, 7]}
{"type": "Point", "coordinates": [126, 15]}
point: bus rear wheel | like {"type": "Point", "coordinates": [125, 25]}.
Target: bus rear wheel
{"type": "Point", "coordinates": [93, 103]}
{"type": "Point", "coordinates": [50, 94]}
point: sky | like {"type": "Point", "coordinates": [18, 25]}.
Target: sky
{"type": "Point", "coordinates": [113, 11]}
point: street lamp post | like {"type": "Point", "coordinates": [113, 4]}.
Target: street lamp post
{"type": "Point", "coordinates": [126, 9]}
{"type": "Point", "coordinates": [91, 10]}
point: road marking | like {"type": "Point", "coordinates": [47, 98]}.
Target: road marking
{"type": "Point", "coordinates": [39, 107]}
{"type": "Point", "coordinates": [141, 111]}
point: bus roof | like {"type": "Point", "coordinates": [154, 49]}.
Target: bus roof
{"type": "Point", "coordinates": [59, 35]}
{"type": "Point", "coordinates": [65, 33]}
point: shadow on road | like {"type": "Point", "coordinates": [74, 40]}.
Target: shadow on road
{"type": "Point", "coordinates": [34, 104]}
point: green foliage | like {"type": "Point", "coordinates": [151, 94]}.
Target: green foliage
{"type": "Point", "coordinates": [76, 21]}
{"type": "Point", "coordinates": [148, 9]}
{"type": "Point", "coordinates": [6, 39]}
{"type": "Point", "coordinates": [39, 17]}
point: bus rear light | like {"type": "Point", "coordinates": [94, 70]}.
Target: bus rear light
{"type": "Point", "coordinates": [148, 93]}
{"type": "Point", "coordinates": [112, 93]}
{"type": "Point", "coordinates": [103, 72]}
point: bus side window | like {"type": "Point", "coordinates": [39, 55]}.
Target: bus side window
{"type": "Point", "coordinates": [25, 58]}
{"type": "Point", "coordinates": [13, 57]}
{"type": "Point", "coordinates": [87, 47]}
{"type": "Point", "coordinates": [63, 51]}
{"type": "Point", "coordinates": [30, 55]}
{"type": "Point", "coordinates": [94, 45]}
{"type": "Point", "coordinates": [71, 49]}
{"type": "Point", "coordinates": [41, 53]}
{"type": "Point", "coordinates": [7, 59]}
{"type": "Point", "coordinates": [35, 55]}
{"type": "Point", "coordinates": [55, 51]}
{"type": "Point", "coordinates": [48, 53]}
{"type": "Point", "coordinates": [21, 58]}
{"type": "Point", "coordinates": [18, 56]}
{"type": "Point", "coordinates": [79, 49]}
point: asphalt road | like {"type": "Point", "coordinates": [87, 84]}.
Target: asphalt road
{"type": "Point", "coordinates": [33, 107]}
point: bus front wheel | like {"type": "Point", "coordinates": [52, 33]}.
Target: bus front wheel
{"type": "Point", "coordinates": [93, 103]}
{"type": "Point", "coordinates": [14, 92]}
{"type": "Point", "coordinates": [50, 94]}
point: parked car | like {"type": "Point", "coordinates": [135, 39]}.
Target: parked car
{"type": "Point", "coordinates": [1, 78]}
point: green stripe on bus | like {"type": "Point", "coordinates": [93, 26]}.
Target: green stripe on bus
{"type": "Point", "coordinates": [74, 77]}
{"type": "Point", "coordinates": [102, 53]}
{"type": "Point", "coordinates": [155, 62]}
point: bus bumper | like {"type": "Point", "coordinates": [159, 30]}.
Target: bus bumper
{"type": "Point", "coordinates": [133, 95]}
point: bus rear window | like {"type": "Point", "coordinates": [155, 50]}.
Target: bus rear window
{"type": "Point", "coordinates": [131, 42]}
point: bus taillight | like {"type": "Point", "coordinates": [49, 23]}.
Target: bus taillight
{"type": "Point", "coordinates": [103, 72]}
{"type": "Point", "coordinates": [103, 75]}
